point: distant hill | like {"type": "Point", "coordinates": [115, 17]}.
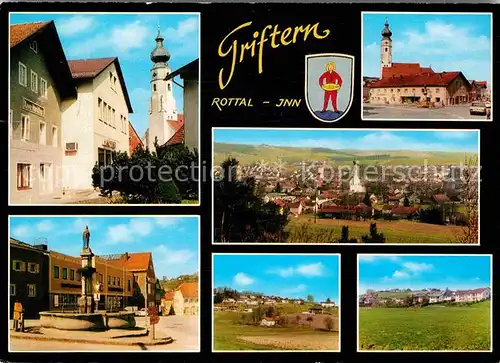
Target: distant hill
{"type": "Point", "coordinates": [174, 283]}
{"type": "Point", "coordinates": [248, 154]}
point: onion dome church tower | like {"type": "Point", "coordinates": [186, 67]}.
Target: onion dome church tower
{"type": "Point", "coordinates": [386, 48]}
{"type": "Point", "coordinates": [162, 108]}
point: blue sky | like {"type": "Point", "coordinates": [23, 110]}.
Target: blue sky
{"type": "Point", "coordinates": [447, 42]}
{"type": "Point", "coordinates": [131, 38]}
{"type": "Point", "coordinates": [419, 272]}
{"type": "Point", "coordinates": [292, 276]}
{"type": "Point", "coordinates": [172, 240]}
{"type": "Point", "coordinates": [466, 141]}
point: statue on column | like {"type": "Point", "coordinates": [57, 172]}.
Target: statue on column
{"type": "Point", "coordinates": [86, 237]}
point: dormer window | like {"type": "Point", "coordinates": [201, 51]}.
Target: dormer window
{"type": "Point", "coordinates": [34, 46]}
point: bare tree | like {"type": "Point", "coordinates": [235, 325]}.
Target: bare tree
{"type": "Point", "coordinates": [470, 197]}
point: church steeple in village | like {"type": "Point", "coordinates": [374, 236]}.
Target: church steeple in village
{"type": "Point", "coordinates": [386, 47]}
{"type": "Point", "coordinates": [163, 117]}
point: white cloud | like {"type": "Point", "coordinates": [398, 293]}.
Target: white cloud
{"type": "Point", "coordinates": [242, 279]}
{"type": "Point", "coordinates": [295, 290]}
{"type": "Point", "coordinates": [137, 228]}
{"type": "Point", "coordinates": [314, 269]}
{"type": "Point", "coordinates": [416, 267]}
{"type": "Point", "coordinates": [163, 255]}
{"type": "Point", "coordinates": [120, 39]}
{"type": "Point", "coordinates": [44, 226]}
{"type": "Point", "coordinates": [184, 30]}
{"type": "Point", "coordinates": [400, 274]}
{"type": "Point", "coordinates": [377, 258]}
{"type": "Point", "coordinates": [21, 231]}
{"type": "Point", "coordinates": [75, 24]}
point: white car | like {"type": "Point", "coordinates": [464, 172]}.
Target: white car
{"type": "Point", "coordinates": [478, 108]}
{"type": "Point", "coordinates": [142, 312]}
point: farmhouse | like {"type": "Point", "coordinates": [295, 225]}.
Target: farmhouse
{"type": "Point", "coordinates": [330, 304]}
{"type": "Point", "coordinates": [269, 321]}
{"type": "Point", "coordinates": [473, 295]}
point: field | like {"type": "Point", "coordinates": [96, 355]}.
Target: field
{"type": "Point", "coordinates": [434, 327]}
{"type": "Point", "coordinates": [247, 154]}
{"type": "Point", "coordinates": [402, 231]}
{"type": "Point", "coordinates": [231, 336]}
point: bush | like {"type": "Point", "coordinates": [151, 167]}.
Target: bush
{"type": "Point", "coordinates": [167, 176]}
{"type": "Point", "coordinates": [374, 236]}
{"type": "Point", "coordinates": [329, 325]}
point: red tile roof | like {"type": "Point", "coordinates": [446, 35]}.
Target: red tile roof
{"type": "Point", "coordinates": [168, 296]}
{"type": "Point", "coordinates": [20, 32]}
{"type": "Point", "coordinates": [475, 291]}
{"type": "Point", "coordinates": [175, 125]}
{"type": "Point", "coordinates": [89, 68]}
{"type": "Point", "coordinates": [404, 69]}
{"type": "Point", "coordinates": [177, 138]}
{"type": "Point", "coordinates": [293, 205]}
{"type": "Point", "coordinates": [441, 198]}
{"type": "Point", "coordinates": [189, 289]}
{"type": "Point", "coordinates": [138, 261]}
{"type": "Point", "coordinates": [180, 118]}
{"type": "Point", "coordinates": [134, 139]}
{"type": "Point", "coordinates": [442, 79]}
{"type": "Point", "coordinates": [404, 210]}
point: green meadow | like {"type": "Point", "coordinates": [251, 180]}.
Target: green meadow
{"type": "Point", "coordinates": [434, 327]}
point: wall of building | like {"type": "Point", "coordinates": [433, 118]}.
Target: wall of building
{"type": "Point", "coordinates": [77, 118]}
{"type": "Point", "coordinates": [191, 99]}
{"type": "Point", "coordinates": [21, 279]}
{"type": "Point", "coordinates": [33, 151]}
{"type": "Point", "coordinates": [400, 95]}
{"type": "Point", "coordinates": [114, 280]}
{"type": "Point", "coordinates": [83, 124]}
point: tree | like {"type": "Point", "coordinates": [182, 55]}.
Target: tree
{"type": "Point", "coordinates": [277, 189]}
{"type": "Point", "coordinates": [367, 200]}
{"type": "Point", "coordinates": [166, 176]}
{"type": "Point", "coordinates": [328, 321]}
{"type": "Point", "coordinates": [240, 215]}
{"type": "Point", "coordinates": [328, 300]}
{"type": "Point", "coordinates": [406, 202]}
{"type": "Point", "coordinates": [374, 236]}
{"type": "Point", "coordinates": [344, 238]}
{"type": "Point", "coordinates": [470, 197]}
{"type": "Point", "coordinates": [310, 298]}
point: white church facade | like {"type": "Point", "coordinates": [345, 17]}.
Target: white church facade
{"type": "Point", "coordinates": [164, 121]}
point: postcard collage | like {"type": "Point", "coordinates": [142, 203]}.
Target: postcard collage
{"type": "Point", "coordinates": [189, 180]}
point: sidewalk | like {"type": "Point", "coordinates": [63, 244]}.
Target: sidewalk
{"type": "Point", "coordinates": [137, 336]}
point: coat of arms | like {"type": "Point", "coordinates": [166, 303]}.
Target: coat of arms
{"type": "Point", "coordinates": [329, 85]}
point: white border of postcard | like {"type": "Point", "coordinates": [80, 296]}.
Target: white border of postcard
{"type": "Point", "coordinates": [423, 351]}
{"type": "Point", "coordinates": [430, 119]}
{"type": "Point", "coordinates": [199, 111]}
{"type": "Point", "coordinates": [346, 244]}
{"type": "Point", "coordinates": [277, 351]}
{"type": "Point", "coordinates": [124, 347]}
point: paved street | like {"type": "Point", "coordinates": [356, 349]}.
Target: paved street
{"type": "Point", "coordinates": [389, 112]}
{"type": "Point", "coordinates": [183, 329]}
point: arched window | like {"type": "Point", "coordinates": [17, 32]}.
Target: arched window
{"type": "Point", "coordinates": [169, 86]}
{"type": "Point", "coordinates": [386, 49]}
{"type": "Point", "coordinates": [154, 87]}
{"type": "Point", "coordinates": [161, 103]}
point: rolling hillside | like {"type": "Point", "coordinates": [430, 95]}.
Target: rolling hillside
{"type": "Point", "coordinates": [248, 154]}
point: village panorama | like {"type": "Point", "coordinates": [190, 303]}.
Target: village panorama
{"type": "Point", "coordinates": [424, 303]}
{"type": "Point", "coordinates": [328, 195]}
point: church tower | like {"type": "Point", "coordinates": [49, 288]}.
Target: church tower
{"type": "Point", "coordinates": [162, 109]}
{"type": "Point", "coordinates": [386, 48]}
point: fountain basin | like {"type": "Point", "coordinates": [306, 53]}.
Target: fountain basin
{"type": "Point", "coordinates": [87, 322]}
{"type": "Point", "coordinates": [120, 320]}
{"type": "Point", "coordinates": [72, 321]}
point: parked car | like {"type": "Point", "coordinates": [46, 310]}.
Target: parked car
{"type": "Point", "coordinates": [141, 312]}
{"type": "Point", "coordinates": [478, 108]}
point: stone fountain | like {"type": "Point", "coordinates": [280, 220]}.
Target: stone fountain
{"type": "Point", "coordinates": [87, 317]}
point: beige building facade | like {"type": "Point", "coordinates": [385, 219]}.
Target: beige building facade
{"type": "Point", "coordinates": [97, 123]}
{"type": "Point", "coordinates": [40, 81]}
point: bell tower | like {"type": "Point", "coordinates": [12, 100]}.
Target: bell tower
{"type": "Point", "coordinates": [385, 48]}
{"type": "Point", "coordinates": [162, 107]}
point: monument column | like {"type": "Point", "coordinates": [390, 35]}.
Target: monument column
{"type": "Point", "coordinates": [87, 271]}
